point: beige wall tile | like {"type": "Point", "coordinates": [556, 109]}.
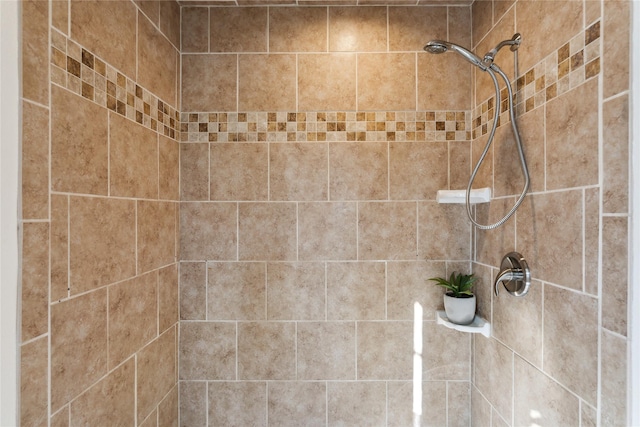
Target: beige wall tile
{"type": "Point", "coordinates": [327, 82]}
{"type": "Point", "coordinates": [151, 8]}
{"type": "Point", "coordinates": [500, 8]}
{"type": "Point", "coordinates": [60, 15]}
{"type": "Point", "coordinates": [480, 409]}
{"type": "Point", "coordinates": [509, 316]}
{"type": "Point", "coordinates": [61, 418]}
{"type": "Point", "coordinates": [267, 231]}
{"type": "Point", "coordinates": [242, 29]}
{"type": "Point", "coordinates": [417, 170]}
{"type": "Point", "coordinates": [408, 284]}
{"type": "Point", "coordinates": [571, 333]}
{"type": "Point", "coordinates": [168, 410]}
{"type": "Point", "coordinates": [443, 223]}
{"type": "Point", "coordinates": [540, 400]}
{"type": "Point", "coordinates": [350, 403]}
{"type": "Point", "coordinates": [35, 161]}
{"type": "Point", "coordinates": [387, 230]}
{"type": "Point", "coordinates": [410, 28]}
{"type": "Point", "coordinates": [236, 291]}
{"type": "Point", "coordinates": [195, 29]}
{"type": "Point", "coordinates": [563, 19]}
{"type": "Point", "coordinates": [459, 164]}
{"type": "Point", "coordinates": [572, 138]}
{"type": "Point", "coordinates": [493, 368]}
{"type": "Point", "coordinates": [239, 171]}
{"type": "Point", "coordinates": [616, 156]}
{"type": "Point", "coordinates": [492, 245]}
{"type": "Point", "coordinates": [484, 176]}
{"type": "Point", "coordinates": [151, 420]}
{"type": "Point", "coordinates": [358, 171]}
{"type": "Point", "coordinates": [615, 43]}
{"type": "Point", "coordinates": [591, 240]}
{"type": "Point", "coordinates": [437, 363]}
{"type": "Point", "coordinates": [194, 172]}
{"type": "Point", "coordinates": [267, 82]}
{"type": "Point", "coordinates": [59, 250]}
{"type": "Point", "coordinates": [483, 290]}
{"type": "Point", "coordinates": [615, 284]}
{"type": "Point", "coordinates": [79, 154]}
{"type": "Point", "coordinates": [614, 380]}
{"type": "Point", "coordinates": [208, 231]}
{"type": "Point", "coordinates": [35, 51]}
{"type": "Point", "coordinates": [532, 140]}
{"type": "Point", "coordinates": [207, 351]}
{"type": "Point", "coordinates": [108, 29]}
{"type": "Point", "coordinates": [386, 81]}
{"type": "Point", "coordinates": [444, 82]}
{"type": "Point", "coordinates": [170, 21]}
{"type": "Point", "coordinates": [296, 291]}
{"type": "Point", "coordinates": [355, 290]}
{"type": "Point", "coordinates": [169, 169]}
{"type": "Point", "coordinates": [157, 60]}
{"type": "Point", "coordinates": [35, 280]}
{"type": "Point", "coordinates": [552, 239]}
{"type": "Point", "coordinates": [133, 316]}
{"type": "Point", "coordinates": [298, 171]}
{"type": "Point", "coordinates": [400, 403]}
{"type": "Point", "coordinates": [326, 351]}
{"type": "Point", "coordinates": [357, 29]}
{"type": "Point", "coordinates": [168, 297]}
{"type": "Point", "coordinates": [297, 403]}
{"type": "Point", "coordinates": [156, 222]}
{"type": "Point", "coordinates": [327, 231]}
{"type": "Point", "coordinates": [193, 290]}
{"type": "Point", "coordinates": [298, 29]}
{"type": "Point", "coordinates": [78, 345]}
{"type": "Point", "coordinates": [220, 73]}
{"type": "Point", "coordinates": [266, 351]}
{"type": "Point", "coordinates": [111, 400]}
{"type": "Point", "coordinates": [238, 404]}
{"type": "Point", "coordinates": [508, 177]}
{"type": "Point", "coordinates": [481, 19]}
{"type": "Point", "coordinates": [592, 10]}
{"type": "Point", "coordinates": [458, 403]}
{"type": "Point", "coordinates": [133, 159]}
{"type": "Point", "coordinates": [102, 242]}
{"type": "Point", "coordinates": [459, 24]}
{"type": "Point", "coordinates": [193, 403]}
{"type": "Point", "coordinates": [156, 372]}
{"type": "Point", "coordinates": [34, 382]}
{"type": "Point", "coordinates": [588, 416]}
{"type": "Point", "coordinates": [385, 350]}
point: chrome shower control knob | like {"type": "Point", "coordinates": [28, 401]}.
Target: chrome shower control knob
{"type": "Point", "coordinates": [514, 275]}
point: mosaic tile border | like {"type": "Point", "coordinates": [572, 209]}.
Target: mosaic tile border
{"type": "Point", "coordinates": [82, 72]}
{"type": "Point", "coordinates": [571, 65]}
{"type": "Point", "coordinates": [326, 126]}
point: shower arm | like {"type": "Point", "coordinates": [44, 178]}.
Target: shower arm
{"type": "Point", "coordinates": [492, 70]}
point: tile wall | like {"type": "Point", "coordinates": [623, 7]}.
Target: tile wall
{"type": "Point", "coordinates": [559, 355]}
{"type": "Point", "coordinates": [100, 213]}
{"type": "Point", "coordinates": [309, 228]}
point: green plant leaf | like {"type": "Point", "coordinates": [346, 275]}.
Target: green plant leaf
{"type": "Point", "coordinates": [458, 284]}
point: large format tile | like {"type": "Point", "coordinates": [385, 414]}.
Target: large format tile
{"type": "Point", "coordinates": [358, 171]}
{"type": "Point", "coordinates": [298, 29]}
{"type": "Point", "coordinates": [443, 232]}
{"type": "Point", "coordinates": [193, 290]}
{"type": "Point", "coordinates": [493, 368]}
{"type": "Point", "coordinates": [35, 48]}
{"type": "Point", "coordinates": [353, 403]}
{"type": "Point", "coordinates": [207, 351]}
{"type": "Point", "coordinates": [35, 161]}
{"type": "Point", "coordinates": [430, 411]}
{"type": "Point", "coordinates": [356, 291]}
{"type": "Point", "coordinates": [410, 291]}
{"type": "Point", "coordinates": [156, 234]}
{"type": "Point", "coordinates": [615, 184]}
{"type": "Point", "coordinates": [102, 242]}
{"type": "Point", "coordinates": [267, 82]}
{"type": "Point", "coordinates": [615, 53]}
{"type": "Point", "coordinates": [208, 231]}
{"type": "Point", "coordinates": [385, 350]}
{"type": "Point", "coordinates": [298, 171]}
{"type": "Point", "coordinates": [357, 29]}
{"type": "Point", "coordinates": [327, 231]}
{"type": "Point", "coordinates": [193, 403]}
{"type": "Point", "coordinates": [614, 380]}
{"type": "Point", "coordinates": [78, 345]}
{"type": "Point", "coordinates": [266, 351]}
{"type": "Point", "coordinates": [220, 73]}
{"type": "Point", "coordinates": [327, 82]}
{"type": "Point", "coordinates": [267, 231]}
{"type": "Point", "coordinates": [417, 170]}
{"type": "Point", "coordinates": [615, 273]}
{"type": "Point", "coordinates": [34, 382]}
{"type": "Point", "coordinates": [194, 171]}
{"type": "Point", "coordinates": [326, 351]}
{"type": "Point", "coordinates": [133, 316]}
{"type": "Point", "coordinates": [296, 291]}
{"type": "Point", "coordinates": [157, 61]}
{"type": "Point", "coordinates": [387, 230]}
{"type": "Point", "coordinates": [79, 154]}
{"type": "Point", "coordinates": [195, 29]}
{"type": "Point", "coordinates": [444, 82]}
{"type": "Point", "coordinates": [237, 404]}
{"type": "Point", "coordinates": [410, 28]}
{"type": "Point", "coordinates": [236, 291]}
{"type": "Point", "coordinates": [239, 171]}
{"type": "Point", "coordinates": [386, 81]}
{"type": "Point", "coordinates": [242, 29]}
{"type": "Point", "coordinates": [571, 333]}
{"type": "Point", "coordinates": [35, 280]}
{"type": "Point", "coordinates": [297, 403]}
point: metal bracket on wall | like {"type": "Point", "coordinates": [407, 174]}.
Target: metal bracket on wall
{"type": "Point", "coordinates": [514, 275]}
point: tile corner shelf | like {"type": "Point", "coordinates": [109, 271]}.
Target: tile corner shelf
{"type": "Point", "coordinates": [478, 326]}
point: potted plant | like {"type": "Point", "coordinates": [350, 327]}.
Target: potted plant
{"type": "Point", "coordinates": [459, 300]}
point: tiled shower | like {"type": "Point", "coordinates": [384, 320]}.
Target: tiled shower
{"type": "Point", "coordinates": [229, 214]}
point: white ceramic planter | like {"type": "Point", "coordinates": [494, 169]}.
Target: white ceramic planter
{"type": "Point", "coordinates": [460, 310]}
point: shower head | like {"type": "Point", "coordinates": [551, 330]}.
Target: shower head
{"type": "Point", "coordinates": [440, 46]}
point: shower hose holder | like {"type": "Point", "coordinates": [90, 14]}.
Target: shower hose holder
{"type": "Point", "coordinates": [514, 275]}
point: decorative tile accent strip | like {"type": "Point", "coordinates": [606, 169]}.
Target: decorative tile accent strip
{"type": "Point", "coordinates": [571, 65]}
{"type": "Point", "coordinates": [326, 126]}
{"type": "Point", "coordinates": [82, 72]}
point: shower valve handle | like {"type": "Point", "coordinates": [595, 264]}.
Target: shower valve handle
{"type": "Point", "coordinates": [514, 275]}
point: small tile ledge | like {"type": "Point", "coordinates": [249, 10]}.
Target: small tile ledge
{"type": "Point", "coordinates": [478, 326]}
